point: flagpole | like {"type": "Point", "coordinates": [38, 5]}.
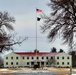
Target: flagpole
{"type": "Point", "coordinates": [36, 33]}
{"type": "Point", "coordinates": [37, 10]}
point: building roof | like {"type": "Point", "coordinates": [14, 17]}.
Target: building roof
{"type": "Point", "coordinates": [52, 54]}
{"type": "Point", "coordinates": [34, 53]}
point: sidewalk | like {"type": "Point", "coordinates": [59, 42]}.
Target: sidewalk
{"type": "Point", "coordinates": [57, 71]}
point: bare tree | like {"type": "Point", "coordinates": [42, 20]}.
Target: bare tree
{"type": "Point", "coordinates": [61, 51]}
{"type": "Point", "coordinates": [7, 40]}
{"type": "Point", "coordinates": [63, 19]}
{"type": "Point", "coordinates": [53, 49]}
{"type": "Point", "coordinates": [1, 61]}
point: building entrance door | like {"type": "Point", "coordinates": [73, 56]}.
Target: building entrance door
{"type": "Point", "coordinates": [38, 64]}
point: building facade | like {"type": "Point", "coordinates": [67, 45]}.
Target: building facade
{"type": "Point", "coordinates": [28, 59]}
{"type": "Point", "coordinates": [63, 60]}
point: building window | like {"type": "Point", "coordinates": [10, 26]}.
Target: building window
{"type": "Point", "coordinates": [57, 63]}
{"type": "Point", "coordinates": [27, 63]}
{"type": "Point", "coordinates": [67, 63]}
{"type": "Point", "coordinates": [46, 57]}
{"type": "Point", "coordinates": [23, 58]}
{"type": "Point", "coordinates": [42, 63]}
{"type": "Point", "coordinates": [11, 63]}
{"type": "Point", "coordinates": [16, 63]}
{"type": "Point", "coordinates": [6, 63]}
{"type": "Point", "coordinates": [27, 57]}
{"type": "Point", "coordinates": [11, 57]}
{"type": "Point", "coordinates": [37, 57]}
{"type": "Point", "coordinates": [42, 57]}
{"type": "Point", "coordinates": [46, 63]}
{"type": "Point", "coordinates": [32, 58]}
{"type": "Point", "coordinates": [16, 57]}
{"type": "Point", "coordinates": [67, 57]}
{"type": "Point", "coordinates": [6, 57]}
{"type": "Point", "coordinates": [62, 63]}
{"type": "Point", "coordinates": [32, 63]}
{"type": "Point", "coordinates": [51, 57]}
{"type": "Point", "coordinates": [62, 57]}
{"type": "Point", "coordinates": [57, 57]}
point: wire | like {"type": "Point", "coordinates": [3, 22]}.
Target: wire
{"type": "Point", "coordinates": [37, 37]}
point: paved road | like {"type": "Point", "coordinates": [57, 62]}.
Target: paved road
{"type": "Point", "coordinates": [36, 73]}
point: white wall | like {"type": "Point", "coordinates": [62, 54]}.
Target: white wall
{"type": "Point", "coordinates": [14, 60]}
{"type": "Point", "coordinates": [23, 62]}
{"type": "Point", "coordinates": [65, 60]}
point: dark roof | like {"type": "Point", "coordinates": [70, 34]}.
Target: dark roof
{"type": "Point", "coordinates": [34, 53]}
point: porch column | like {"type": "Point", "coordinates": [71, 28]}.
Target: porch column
{"type": "Point", "coordinates": [30, 64]}
{"type": "Point", "coordinates": [40, 64]}
{"type": "Point", "coordinates": [44, 64]}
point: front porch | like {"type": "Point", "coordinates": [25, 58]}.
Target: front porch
{"type": "Point", "coordinates": [39, 63]}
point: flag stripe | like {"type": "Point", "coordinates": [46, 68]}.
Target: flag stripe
{"type": "Point", "coordinates": [38, 10]}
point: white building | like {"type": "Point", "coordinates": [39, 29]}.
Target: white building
{"type": "Point", "coordinates": [63, 60]}
{"type": "Point", "coordinates": [23, 59]}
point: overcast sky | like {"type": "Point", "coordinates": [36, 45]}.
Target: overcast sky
{"type": "Point", "coordinates": [24, 12]}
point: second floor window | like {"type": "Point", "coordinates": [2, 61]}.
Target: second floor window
{"type": "Point", "coordinates": [32, 57]}
{"type": "Point", "coordinates": [46, 57]}
{"type": "Point", "coordinates": [37, 57]}
{"type": "Point", "coordinates": [67, 57]}
{"type": "Point", "coordinates": [27, 57]}
{"type": "Point", "coordinates": [16, 57]}
{"type": "Point", "coordinates": [42, 57]}
{"type": "Point", "coordinates": [57, 57]}
{"type": "Point", "coordinates": [6, 57]}
{"type": "Point", "coordinates": [23, 57]}
{"type": "Point", "coordinates": [11, 57]}
{"type": "Point", "coordinates": [62, 57]}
